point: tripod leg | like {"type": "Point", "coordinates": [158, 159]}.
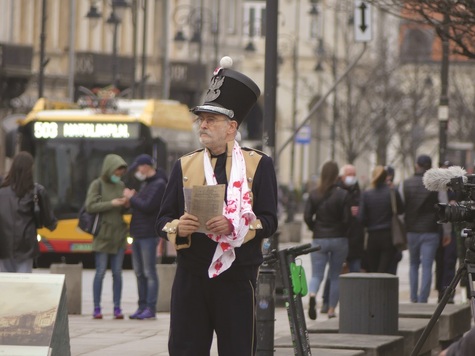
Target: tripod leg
{"type": "Point", "coordinates": [440, 307]}
{"type": "Point", "coordinates": [471, 276]}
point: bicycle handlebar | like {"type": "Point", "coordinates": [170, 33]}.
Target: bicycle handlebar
{"type": "Point", "coordinates": [294, 250]}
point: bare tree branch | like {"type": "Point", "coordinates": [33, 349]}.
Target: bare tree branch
{"type": "Point", "coordinates": [458, 15]}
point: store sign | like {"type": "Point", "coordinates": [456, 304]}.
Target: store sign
{"type": "Point", "coordinates": [93, 130]}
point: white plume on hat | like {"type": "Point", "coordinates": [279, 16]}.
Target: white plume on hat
{"type": "Point", "coordinates": [226, 62]}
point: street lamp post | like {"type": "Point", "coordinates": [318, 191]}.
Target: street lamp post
{"type": "Point", "coordinates": [196, 18]}
{"type": "Point", "coordinates": [43, 62]}
{"type": "Point", "coordinates": [443, 112]}
{"type": "Point", "coordinates": [115, 19]}
{"type": "Point", "coordinates": [292, 42]}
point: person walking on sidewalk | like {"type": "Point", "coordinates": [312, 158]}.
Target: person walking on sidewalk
{"type": "Point", "coordinates": [327, 214]}
{"type": "Point", "coordinates": [376, 214]}
{"type": "Point", "coordinates": [217, 263]}
{"type": "Point", "coordinates": [348, 181]}
{"type": "Point", "coordinates": [105, 196]}
{"type": "Point", "coordinates": [423, 233]}
{"type": "Point", "coordinates": [145, 206]}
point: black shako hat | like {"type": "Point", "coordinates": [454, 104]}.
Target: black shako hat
{"type": "Point", "coordinates": [230, 93]}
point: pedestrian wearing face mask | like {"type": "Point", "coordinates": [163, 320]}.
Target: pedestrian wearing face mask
{"type": "Point", "coordinates": [145, 206]}
{"type": "Point", "coordinates": [348, 181]}
{"type": "Point", "coordinates": [105, 196]}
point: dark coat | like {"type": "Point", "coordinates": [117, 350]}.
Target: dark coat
{"type": "Point", "coordinates": [146, 205]}
{"type": "Point", "coordinates": [17, 226]}
{"type": "Point", "coordinates": [421, 214]}
{"type": "Point", "coordinates": [113, 231]}
{"type": "Point", "coordinates": [375, 211]}
{"type": "Point", "coordinates": [355, 229]}
{"type": "Point", "coordinates": [328, 215]}
{"type": "Point", "coordinates": [197, 258]}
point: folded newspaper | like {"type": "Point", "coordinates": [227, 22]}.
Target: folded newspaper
{"type": "Point", "coordinates": [204, 202]}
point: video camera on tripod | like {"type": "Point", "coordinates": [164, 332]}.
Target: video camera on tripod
{"type": "Point", "coordinates": [457, 180]}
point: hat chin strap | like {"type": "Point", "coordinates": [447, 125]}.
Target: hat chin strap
{"type": "Point", "coordinates": [217, 109]}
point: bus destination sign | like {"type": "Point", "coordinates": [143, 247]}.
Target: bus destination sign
{"type": "Point", "coordinates": [93, 130]}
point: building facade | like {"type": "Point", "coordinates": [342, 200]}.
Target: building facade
{"type": "Point", "coordinates": [169, 48]}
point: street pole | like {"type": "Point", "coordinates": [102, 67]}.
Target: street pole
{"type": "Point", "coordinates": [265, 312]}
{"type": "Point", "coordinates": [216, 32]}
{"type": "Point", "coordinates": [335, 96]}
{"type": "Point", "coordinates": [270, 79]}
{"type": "Point", "coordinates": [292, 198]}
{"type": "Point", "coordinates": [72, 49]}
{"type": "Point", "coordinates": [200, 28]}
{"type": "Point", "coordinates": [115, 60]}
{"type": "Point", "coordinates": [41, 73]}
{"type": "Point", "coordinates": [165, 51]}
{"type": "Point", "coordinates": [134, 48]}
{"type": "Point", "coordinates": [144, 51]}
{"type": "Point", "coordinates": [443, 112]}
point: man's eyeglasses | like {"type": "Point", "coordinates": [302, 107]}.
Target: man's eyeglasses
{"type": "Point", "coordinates": [210, 121]}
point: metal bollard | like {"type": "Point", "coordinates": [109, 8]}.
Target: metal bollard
{"type": "Point", "coordinates": [265, 314]}
{"type": "Point", "coordinates": [265, 295]}
{"type": "Point", "coordinates": [73, 281]}
{"type": "Point", "coordinates": [369, 303]}
{"type": "Point", "coordinates": [166, 275]}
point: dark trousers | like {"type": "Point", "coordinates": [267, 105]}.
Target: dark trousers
{"type": "Point", "coordinates": [380, 251]}
{"type": "Point", "coordinates": [202, 305]}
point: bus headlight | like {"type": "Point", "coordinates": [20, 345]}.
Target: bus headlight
{"type": "Point", "coordinates": [130, 240]}
{"type": "Point", "coordinates": [38, 237]}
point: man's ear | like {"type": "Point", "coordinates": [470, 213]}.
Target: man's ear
{"type": "Point", "coordinates": [233, 126]}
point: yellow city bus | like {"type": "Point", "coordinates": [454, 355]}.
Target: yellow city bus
{"type": "Point", "coordinates": [69, 142]}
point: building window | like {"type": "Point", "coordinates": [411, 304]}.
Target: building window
{"type": "Point", "coordinates": [254, 18]}
{"type": "Point", "coordinates": [417, 45]}
{"type": "Point", "coordinates": [231, 12]}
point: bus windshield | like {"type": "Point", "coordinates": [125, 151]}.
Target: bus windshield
{"type": "Point", "coordinates": [67, 167]}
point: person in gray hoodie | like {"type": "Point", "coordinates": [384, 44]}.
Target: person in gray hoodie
{"type": "Point", "coordinates": [105, 196]}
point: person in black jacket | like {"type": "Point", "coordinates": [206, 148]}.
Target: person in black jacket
{"type": "Point", "coordinates": [18, 242]}
{"type": "Point", "coordinates": [145, 206]}
{"type": "Point", "coordinates": [348, 181]}
{"type": "Point", "coordinates": [327, 214]}
{"type": "Point", "coordinates": [218, 260]}
{"type": "Point", "coordinates": [375, 214]}
{"type": "Point", "coordinates": [423, 234]}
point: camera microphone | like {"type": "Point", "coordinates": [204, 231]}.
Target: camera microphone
{"type": "Point", "coordinates": [438, 179]}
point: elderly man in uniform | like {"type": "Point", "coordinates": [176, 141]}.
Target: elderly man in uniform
{"type": "Point", "coordinates": [215, 281]}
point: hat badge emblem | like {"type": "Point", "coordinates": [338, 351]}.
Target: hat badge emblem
{"type": "Point", "coordinates": [213, 92]}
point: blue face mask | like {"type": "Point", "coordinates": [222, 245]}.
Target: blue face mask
{"type": "Point", "coordinates": [115, 179]}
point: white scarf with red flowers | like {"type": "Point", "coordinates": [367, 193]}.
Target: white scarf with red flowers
{"type": "Point", "coordinates": [238, 211]}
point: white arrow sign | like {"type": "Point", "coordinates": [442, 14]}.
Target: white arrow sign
{"type": "Point", "coordinates": [363, 21]}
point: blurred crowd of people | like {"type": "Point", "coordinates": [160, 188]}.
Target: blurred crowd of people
{"type": "Point", "coordinates": [353, 226]}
